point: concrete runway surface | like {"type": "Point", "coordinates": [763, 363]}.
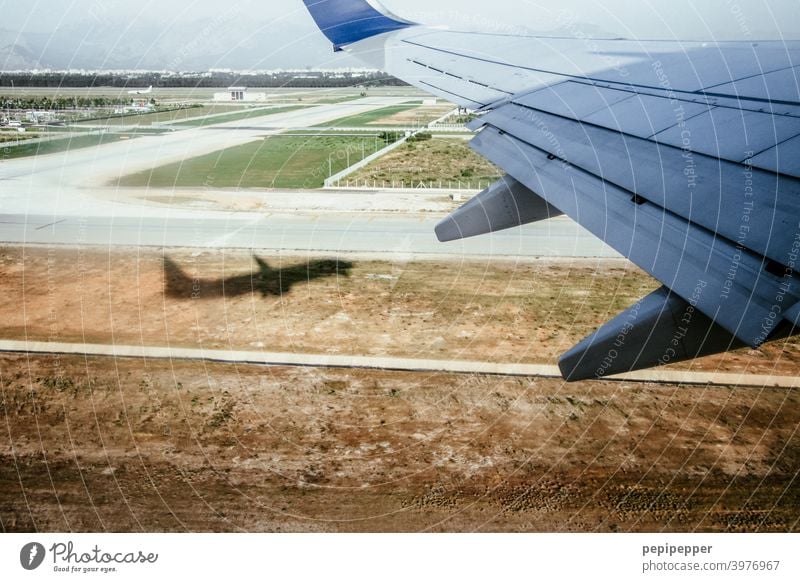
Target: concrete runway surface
{"type": "Point", "coordinates": [65, 199]}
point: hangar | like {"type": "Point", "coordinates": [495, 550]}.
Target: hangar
{"type": "Point", "coordinates": [240, 94]}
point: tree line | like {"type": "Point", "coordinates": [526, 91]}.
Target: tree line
{"type": "Point", "coordinates": [59, 103]}
{"type": "Point", "coordinates": [57, 79]}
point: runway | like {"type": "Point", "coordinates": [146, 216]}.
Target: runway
{"type": "Point", "coordinates": [66, 199]}
{"type": "Point", "coordinates": [339, 234]}
{"type": "Point", "coordinates": [76, 183]}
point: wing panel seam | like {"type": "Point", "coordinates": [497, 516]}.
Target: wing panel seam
{"type": "Point", "coordinates": [595, 80]}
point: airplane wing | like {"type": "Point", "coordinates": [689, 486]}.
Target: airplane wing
{"type": "Point", "coordinates": [682, 156]}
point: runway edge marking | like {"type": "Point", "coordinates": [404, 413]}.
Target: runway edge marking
{"type": "Point", "coordinates": [384, 363]}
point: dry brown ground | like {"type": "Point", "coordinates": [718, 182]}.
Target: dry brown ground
{"type": "Point", "coordinates": [129, 445]}
{"type": "Point", "coordinates": [449, 160]}
{"type": "Point", "coordinates": [488, 311]}
{"type": "Point", "coordinates": [417, 116]}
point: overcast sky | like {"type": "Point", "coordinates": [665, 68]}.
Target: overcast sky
{"type": "Point", "coordinates": [697, 19]}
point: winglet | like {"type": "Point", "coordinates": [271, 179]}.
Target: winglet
{"type": "Point", "coordinates": [347, 21]}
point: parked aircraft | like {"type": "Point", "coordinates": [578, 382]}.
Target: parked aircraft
{"type": "Point", "coordinates": [141, 91]}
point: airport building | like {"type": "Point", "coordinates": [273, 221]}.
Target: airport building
{"type": "Point", "coordinates": [240, 94]}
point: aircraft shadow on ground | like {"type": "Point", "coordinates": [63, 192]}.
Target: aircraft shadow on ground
{"type": "Point", "coordinates": [182, 284]}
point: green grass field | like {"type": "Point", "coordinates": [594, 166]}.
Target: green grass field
{"type": "Point", "coordinates": [173, 115]}
{"type": "Point", "coordinates": [190, 116]}
{"type": "Point", "coordinates": [364, 119]}
{"type": "Point", "coordinates": [61, 145]}
{"type": "Point", "coordinates": [143, 130]}
{"type": "Point", "coordinates": [357, 131]}
{"type": "Point", "coordinates": [74, 128]}
{"type": "Point", "coordinates": [250, 114]}
{"type": "Point", "coordinates": [151, 118]}
{"type": "Point", "coordinates": [275, 162]}
{"type": "Point", "coordinates": [13, 136]}
{"type": "Point", "coordinates": [335, 100]}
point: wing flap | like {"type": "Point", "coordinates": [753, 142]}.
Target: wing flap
{"type": "Point", "coordinates": [781, 85]}
{"type": "Point", "coordinates": [725, 282]}
{"type": "Point", "coordinates": [792, 315]}
{"type": "Point", "coordinates": [783, 157]}
{"type": "Point", "coordinates": [730, 134]}
{"type": "Point", "coordinates": [578, 100]}
{"type": "Point", "coordinates": [572, 99]}
{"type": "Point", "coordinates": [701, 189]}
{"type": "Point", "coordinates": [644, 115]}
{"type": "Point", "coordinates": [720, 129]}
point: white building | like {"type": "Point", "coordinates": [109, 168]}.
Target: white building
{"type": "Point", "coordinates": [240, 94]}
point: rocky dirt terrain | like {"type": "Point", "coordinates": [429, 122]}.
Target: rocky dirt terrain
{"type": "Point", "coordinates": [479, 310]}
{"type": "Point", "coordinates": [129, 445]}
{"type": "Point", "coordinates": [448, 162]}
{"type": "Point", "coordinates": [98, 444]}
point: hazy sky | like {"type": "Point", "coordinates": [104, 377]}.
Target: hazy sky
{"type": "Point", "coordinates": [704, 19]}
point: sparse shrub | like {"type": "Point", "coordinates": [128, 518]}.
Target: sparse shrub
{"type": "Point", "coordinates": [424, 136]}
{"type": "Point", "coordinates": [389, 137]}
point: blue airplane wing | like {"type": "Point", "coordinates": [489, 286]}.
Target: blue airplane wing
{"type": "Point", "coordinates": [348, 21]}
{"type": "Point", "coordinates": [682, 156]}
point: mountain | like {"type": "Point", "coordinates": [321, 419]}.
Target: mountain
{"type": "Point", "coordinates": [198, 45]}
{"type": "Point", "coordinates": [16, 57]}
{"type": "Point", "coordinates": [205, 43]}
{"type": "Point", "coordinates": [16, 52]}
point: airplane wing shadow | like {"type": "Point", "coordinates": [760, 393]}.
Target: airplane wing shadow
{"type": "Point", "coordinates": [179, 284]}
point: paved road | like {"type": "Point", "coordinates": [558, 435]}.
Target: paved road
{"type": "Point", "coordinates": [383, 363]}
